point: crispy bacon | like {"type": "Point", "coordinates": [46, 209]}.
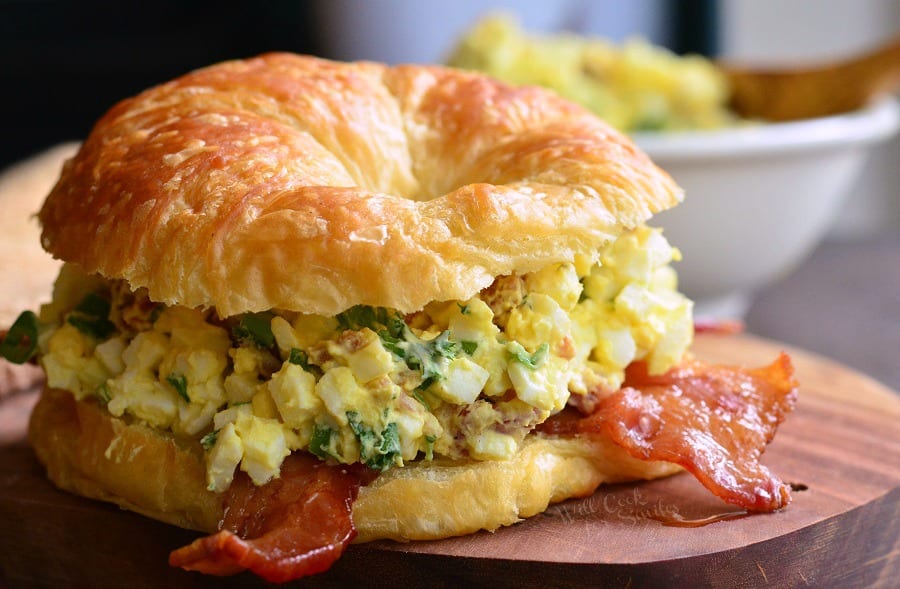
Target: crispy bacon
{"type": "Point", "coordinates": [714, 421]}
{"type": "Point", "coordinates": [296, 525]}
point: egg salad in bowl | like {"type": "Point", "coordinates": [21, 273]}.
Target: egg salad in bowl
{"type": "Point", "coordinates": [458, 379]}
{"type": "Point", "coordinates": [634, 86]}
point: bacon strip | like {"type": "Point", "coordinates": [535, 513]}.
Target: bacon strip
{"type": "Point", "coordinates": [296, 525]}
{"type": "Point", "coordinates": [714, 421]}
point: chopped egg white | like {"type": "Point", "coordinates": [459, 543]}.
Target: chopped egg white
{"type": "Point", "coordinates": [294, 392]}
{"type": "Point", "coordinates": [462, 383]}
{"type": "Point", "coordinates": [224, 458]}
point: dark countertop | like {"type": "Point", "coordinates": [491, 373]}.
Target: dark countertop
{"type": "Point", "coordinates": [842, 303]}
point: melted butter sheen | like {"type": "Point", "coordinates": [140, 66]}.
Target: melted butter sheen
{"type": "Point", "coordinates": [460, 379]}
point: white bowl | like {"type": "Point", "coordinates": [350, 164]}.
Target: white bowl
{"type": "Point", "coordinates": [759, 198]}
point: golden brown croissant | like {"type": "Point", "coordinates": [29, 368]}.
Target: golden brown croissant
{"type": "Point", "coordinates": [297, 183]}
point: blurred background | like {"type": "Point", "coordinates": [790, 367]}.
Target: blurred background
{"type": "Point", "coordinates": [62, 64]}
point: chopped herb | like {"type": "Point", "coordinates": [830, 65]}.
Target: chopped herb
{"type": "Point", "coordinates": [209, 440]}
{"type": "Point", "coordinates": [583, 295]}
{"type": "Point", "coordinates": [389, 450]}
{"type": "Point", "coordinates": [353, 418]}
{"type": "Point", "coordinates": [94, 305]}
{"type": "Point", "coordinates": [363, 433]}
{"type": "Point", "coordinates": [426, 382]}
{"type": "Point", "coordinates": [531, 360]}
{"type": "Point", "coordinates": [179, 383]}
{"type": "Point", "coordinates": [469, 347]}
{"type": "Point", "coordinates": [463, 309]}
{"type": "Point", "coordinates": [392, 344]}
{"type": "Point", "coordinates": [91, 317]}
{"type": "Point", "coordinates": [377, 319]}
{"type": "Point", "coordinates": [443, 347]}
{"type": "Point", "coordinates": [301, 359]}
{"type": "Point", "coordinates": [417, 394]}
{"type": "Point", "coordinates": [21, 341]}
{"type": "Point", "coordinates": [156, 312]}
{"type": "Point", "coordinates": [427, 356]}
{"type": "Point", "coordinates": [357, 317]}
{"type": "Point", "coordinates": [388, 324]}
{"type": "Point", "coordinates": [429, 447]}
{"type": "Point", "coordinates": [377, 451]}
{"type": "Point", "coordinates": [255, 329]}
{"type": "Point", "coordinates": [99, 329]}
{"type": "Point", "coordinates": [103, 394]}
{"type": "Point", "coordinates": [322, 442]}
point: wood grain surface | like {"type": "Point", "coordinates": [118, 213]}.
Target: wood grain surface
{"type": "Point", "coordinates": [841, 446]}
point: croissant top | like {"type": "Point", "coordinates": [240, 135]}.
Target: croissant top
{"type": "Point", "coordinates": [302, 184]}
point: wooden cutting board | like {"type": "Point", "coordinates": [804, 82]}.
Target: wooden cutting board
{"type": "Point", "coordinates": [841, 446]}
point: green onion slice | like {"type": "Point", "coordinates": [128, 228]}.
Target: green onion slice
{"type": "Point", "coordinates": [21, 342]}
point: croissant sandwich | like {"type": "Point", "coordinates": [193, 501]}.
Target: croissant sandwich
{"type": "Point", "coordinates": [306, 303]}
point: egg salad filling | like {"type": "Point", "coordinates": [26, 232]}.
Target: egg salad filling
{"type": "Point", "coordinates": [634, 86]}
{"type": "Point", "coordinates": [458, 379]}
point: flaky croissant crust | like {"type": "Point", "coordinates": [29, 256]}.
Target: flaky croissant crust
{"type": "Point", "coordinates": [297, 183]}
